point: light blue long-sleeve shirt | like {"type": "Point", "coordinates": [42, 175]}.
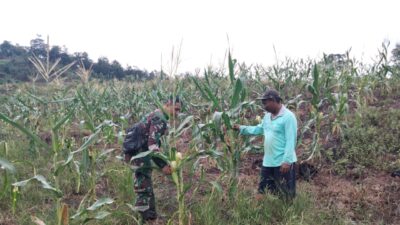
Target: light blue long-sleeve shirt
{"type": "Point", "coordinates": [280, 136]}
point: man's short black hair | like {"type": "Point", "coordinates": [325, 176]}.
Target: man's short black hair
{"type": "Point", "coordinates": [271, 94]}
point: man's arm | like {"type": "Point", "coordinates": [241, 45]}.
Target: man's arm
{"type": "Point", "coordinates": [291, 138]}
{"type": "Point", "coordinates": [252, 130]}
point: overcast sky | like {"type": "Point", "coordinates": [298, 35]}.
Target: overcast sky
{"type": "Point", "coordinates": [141, 32]}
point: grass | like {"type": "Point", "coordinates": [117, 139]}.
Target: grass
{"type": "Point", "coordinates": [245, 209]}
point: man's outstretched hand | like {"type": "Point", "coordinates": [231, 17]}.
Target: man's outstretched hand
{"type": "Point", "coordinates": [236, 127]}
{"type": "Point", "coordinates": [167, 170]}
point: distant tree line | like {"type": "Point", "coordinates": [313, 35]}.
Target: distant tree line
{"type": "Point", "coordinates": [14, 63]}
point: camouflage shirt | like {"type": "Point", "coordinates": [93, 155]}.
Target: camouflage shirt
{"type": "Point", "coordinates": [157, 124]}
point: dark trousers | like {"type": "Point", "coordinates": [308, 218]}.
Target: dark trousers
{"type": "Point", "coordinates": [277, 183]}
{"type": "Point", "coordinates": [143, 187]}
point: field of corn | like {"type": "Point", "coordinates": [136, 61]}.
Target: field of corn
{"type": "Point", "coordinates": [60, 145]}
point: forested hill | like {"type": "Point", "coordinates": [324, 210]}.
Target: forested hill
{"type": "Point", "coordinates": [15, 64]}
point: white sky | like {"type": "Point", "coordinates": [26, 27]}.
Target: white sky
{"type": "Point", "coordinates": [138, 32]}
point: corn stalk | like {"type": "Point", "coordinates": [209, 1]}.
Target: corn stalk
{"type": "Point", "coordinates": [47, 70]}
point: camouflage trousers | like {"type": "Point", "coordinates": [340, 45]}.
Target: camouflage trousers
{"type": "Point", "coordinates": [143, 187]}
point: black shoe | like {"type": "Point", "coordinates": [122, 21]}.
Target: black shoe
{"type": "Point", "coordinates": [396, 173]}
{"type": "Point", "coordinates": [149, 215]}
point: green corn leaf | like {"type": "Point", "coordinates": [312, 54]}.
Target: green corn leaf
{"type": "Point", "coordinates": [85, 145]}
{"type": "Point", "coordinates": [25, 104]}
{"type": "Point", "coordinates": [227, 121]}
{"type": "Point", "coordinates": [231, 66]}
{"type": "Point", "coordinates": [105, 153]}
{"type": "Point", "coordinates": [63, 120]}
{"type": "Point", "coordinates": [37, 98]}
{"type": "Point", "coordinates": [5, 164]}
{"type": "Point", "coordinates": [198, 85]}
{"type": "Point", "coordinates": [101, 215]}
{"type": "Point", "coordinates": [142, 154]}
{"type": "Point", "coordinates": [206, 77]}
{"type": "Point", "coordinates": [99, 203]}
{"type": "Point", "coordinates": [102, 97]}
{"type": "Point", "coordinates": [87, 110]}
{"type": "Point", "coordinates": [89, 141]}
{"type": "Point", "coordinates": [175, 178]}
{"type": "Point", "coordinates": [212, 97]}
{"type": "Point", "coordinates": [186, 124]}
{"type": "Point", "coordinates": [236, 93]}
{"type": "Point", "coordinates": [42, 180]}
{"type": "Point", "coordinates": [312, 90]}
{"type": "Point", "coordinates": [316, 77]}
{"type": "Point", "coordinates": [217, 186]}
{"type": "Point", "coordinates": [23, 130]}
{"type": "Point", "coordinates": [62, 100]}
{"type": "Point", "coordinates": [207, 93]}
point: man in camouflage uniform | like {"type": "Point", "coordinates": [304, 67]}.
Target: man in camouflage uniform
{"type": "Point", "coordinates": [156, 125]}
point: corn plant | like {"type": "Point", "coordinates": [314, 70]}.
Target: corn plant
{"type": "Point", "coordinates": [56, 147]}
{"type": "Point", "coordinates": [177, 161]}
{"type": "Point", "coordinates": [382, 69]}
{"type": "Point", "coordinates": [47, 70]}
{"type": "Point", "coordinates": [315, 113]}
{"type": "Point", "coordinates": [45, 185]}
{"type": "Point", "coordinates": [218, 129]}
{"type": "Point", "coordinates": [84, 73]}
{"type": "Point", "coordinates": [340, 107]}
{"type": "Point", "coordinates": [85, 215]}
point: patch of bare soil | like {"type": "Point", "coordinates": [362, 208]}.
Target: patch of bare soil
{"type": "Point", "coordinates": [374, 198]}
{"type": "Point", "coordinates": [7, 219]}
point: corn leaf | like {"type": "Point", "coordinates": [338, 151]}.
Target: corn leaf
{"type": "Point", "coordinates": [236, 93]}
{"type": "Point", "coordinates": [23, 130]}
{"type": "Point", "coordinates": [43, 181]}
{"type": "Point", "coordinates": [231, 66]}
{"type": "Point", "coordinates": [6, 165]}
{"type": "Point", "coordinates": [99, 203]}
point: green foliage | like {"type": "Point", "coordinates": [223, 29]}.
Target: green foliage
{"type": "Point", "coordinates": [396, 54]}
{"type": "Point", "coordinates": [371, 142]}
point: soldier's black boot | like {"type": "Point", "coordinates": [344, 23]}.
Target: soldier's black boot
{"type": "Point", "coordinates": [149, 215]}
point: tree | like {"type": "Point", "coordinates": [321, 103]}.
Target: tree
{"type": "Point", "coordinates": [102, 67]}
{"type": "Point", "coordinates": [396, 54]}
{"type": "Point", "coordinates": [116, 70]}
{"type": "Point", "coordinates": [84, 58]}
{"type": "Point", "coordinates": [7, 50]}
{"type": "Point", "coordinates": [38, 47]}
{"type": "Point", "coordinates": [18, 68]}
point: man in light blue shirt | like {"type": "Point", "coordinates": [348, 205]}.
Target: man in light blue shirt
{"type": "Point", "coordinates": [279, 127]}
